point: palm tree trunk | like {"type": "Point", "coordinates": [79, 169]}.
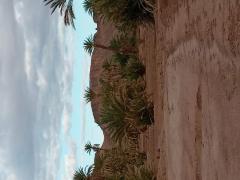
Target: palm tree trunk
{"type": "Point", "coordinates": [124, 51]}
{"type": "Point", "coordinates": [103, 47]}
{"type": "Point", "coordinates": [98, 149]}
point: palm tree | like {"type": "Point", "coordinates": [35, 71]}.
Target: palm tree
{"type": "Point", "coordinates": [140, 107]}
{"type": "Point", "coordinates": [118, 159]}
{"type": "Point", "coordinates": [83, 173]}
{"type": "Point", "coordinates": [126, 109]}
{"type": "Point", "coordinates": [133, 69]}
{"type": "Point", "coordinates": [63, 6]}
{"type": "Point", "coordinates": [95, 147]}
{"type": "Point", "coordinates": [89, 45]}
{"type": "Point", "coordinates": [126, 12]}
{"type": "Point", "coordinates": [115, 116]}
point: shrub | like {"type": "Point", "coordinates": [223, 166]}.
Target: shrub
{"type": "Point", "coordinates": [126, 110]}
{"type": "Point", "coordinates": [140, 173]}
{"type": "Point", "coordinates": [134, 69]}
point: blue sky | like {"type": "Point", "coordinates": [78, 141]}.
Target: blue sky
{"type": "Point", "coordinates": [83, 127]}
{"type": "Point", "coordinates": [44, 122]}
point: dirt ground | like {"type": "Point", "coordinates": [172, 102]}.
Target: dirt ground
{"type": "Point", "coordinates": [192, 57]}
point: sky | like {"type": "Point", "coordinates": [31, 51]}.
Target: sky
{"type": "Point", "coordinates": [44, 121]}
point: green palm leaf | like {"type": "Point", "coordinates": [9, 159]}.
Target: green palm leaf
{"type": "Point", "coordinates": [88, 6]}
{"type": "Point", "coordinates": [89, 95]}
{"type": "Point", "coordinates": [88, 44]}
{"type": "Point", "coordinates": [83, 173]}
{"type": "Point", "coordinates": [89, 147]}
{"type": "Point", "coordinates": [63, 6]}
{"type": "Point", "coordinates": [140, 173]}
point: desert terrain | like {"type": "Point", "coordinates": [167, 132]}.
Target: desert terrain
{"type": "Point", "coordinates": [192, 59]}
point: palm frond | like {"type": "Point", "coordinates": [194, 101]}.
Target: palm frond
{"type": "Point", "coordinates": [107, 63]}
{"type": "Point", "coordinates": [134, 69]}
{"type": "Point", "coordinates": [124, 43]}
{"type": "Point", "coordinates": [69, 15]}
{"type": "Point", "coordinates": [99, 162]}
{"type": "Point", "coordinates": [126, 12]}
{"type": "Point", "coordinates": [113, 115]}
{"type": "Point", "coordinates": [54, 4]}
{"type": "Point", "coordinates": [88, 6]}
{"type": "Point", "coordinates": [64, 7]}
{"type": "Point", "coordinates": [88, 44]}
{"type": "Point", "coordinates": [115, 43]}
{"type": "Point", "coordinates": [140, 173]}
{"type": "Point", "coordinates": [89, 147]}
{"type": "Point", "coordinates": [83, 173]}
{"type": "Point", "coordinates": [89, 95]}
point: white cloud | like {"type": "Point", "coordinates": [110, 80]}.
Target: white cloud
{"type": "Point", "coordinates": [66, 122]}
{"type": "Point", "coordinates": [45, 135]}
{"type": "Point", "coordinates": [11, 177]}
{"type": "Point", "coordinates": [70, 161]}
{"type": "Point", "coordinates": [51, 161]}
{"type": "Point", "coordinates": [28, 62]}
{"type": "Point", "coordinates": [41, 80]}
{"type": "Point", "coordinates": [5, 171]}
{"type": "Point", "coordinates": [18, 7]}
{"type": "Point", "coordinates": [35, 81]}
